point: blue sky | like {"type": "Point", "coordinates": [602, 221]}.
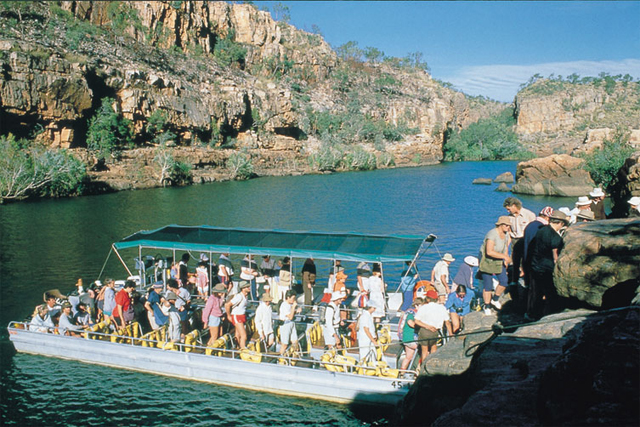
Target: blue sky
{"type": "Point", "coordinates": [487, 48]}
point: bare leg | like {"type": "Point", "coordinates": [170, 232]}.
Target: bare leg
{"type": "Point", "coordinates": [409, 352]}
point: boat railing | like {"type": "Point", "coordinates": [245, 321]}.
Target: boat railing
{"type": "Point", "coordinates": [344, 364]}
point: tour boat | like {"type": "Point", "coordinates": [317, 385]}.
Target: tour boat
{"type": "Point", "coordinates": [309, 371]}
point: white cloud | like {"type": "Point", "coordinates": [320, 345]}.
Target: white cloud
{"type": "Point", "coordinates": [502, 82]}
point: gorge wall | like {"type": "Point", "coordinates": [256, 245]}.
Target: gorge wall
{"type": "Point", "coordinates": [223, 75]}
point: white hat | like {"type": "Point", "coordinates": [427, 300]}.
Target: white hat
{"type": "Point", "coordinates": [448, 257]}
{"type": "Point", "coordinates": [337, 295]}
{"type": "Point", "coordinates": [583, 201]}
{"type": "Point", "coordinates": [566, 211]}
{"type": "Point", "coordinates": [635, 201]}
{"type": "Point", "coordinates": [204, 257]}
{"type": "Point", "coordinates": [471, 260]}
{"type": "Point", "coordinates": [597, 192]}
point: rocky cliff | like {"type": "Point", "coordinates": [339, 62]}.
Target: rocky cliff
{"type": "Point", "coordinates": [562, 116]}
{"type": "Point", "coordinates": [222, 75]}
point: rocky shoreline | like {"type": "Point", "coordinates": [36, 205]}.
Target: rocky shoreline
{"type": "Point", "coordinates": [577, 367]}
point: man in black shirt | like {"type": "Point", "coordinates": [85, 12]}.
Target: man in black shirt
{"type": "Point", "coordinates": [544, 252]}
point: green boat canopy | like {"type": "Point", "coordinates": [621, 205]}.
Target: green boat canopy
{"type": "Point", "coordinates": [295, 244]}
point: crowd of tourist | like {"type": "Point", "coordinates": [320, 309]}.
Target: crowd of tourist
{"type": "Point", "coordinates": [516, 256]}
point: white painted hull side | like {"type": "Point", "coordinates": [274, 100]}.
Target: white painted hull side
{"type": "Point", "coordinates": [269, 377]}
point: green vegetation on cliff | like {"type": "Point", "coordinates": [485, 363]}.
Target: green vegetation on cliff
{"type": "Point", "coordinates": [487, 139]}
{"type": "Point", "coordinates": [28, 169]}
{"type": "Point", "coordinates": [603, 163]}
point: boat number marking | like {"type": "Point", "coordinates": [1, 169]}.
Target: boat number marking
{"type": "Point", "coordinates": [397, 384]}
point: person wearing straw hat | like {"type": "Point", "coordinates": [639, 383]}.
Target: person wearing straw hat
{"type": "Point", "coordinates": [332, 320]}
{"type": "Point", "coordinates": [585, 216]}
{"type": "Point", "coordinates": [494, 262]}
{"type": "Point", "coordinates": [440, 276]}
{"type": "Point", "coordinates": [634, 207]}
{"type": "Point", "coordinates": [264, 320]}
{"type": "Point", "coordinates": [544, 253]}
{"type": "Point", "coordinates": [597, 203]}
{"type": "Point", "coordinates": [367, 336]}
{"type": "Point", "coordinates": [582, 204]}
{"type": "Point", "coordinates": [212, 312]}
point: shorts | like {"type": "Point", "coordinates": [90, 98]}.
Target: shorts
{"type": "Point", "coordinates": [487, 279]}
{"type": "Point", "coordinates": [238, 318]}
{"type": "Point", "coordinates": [329, 339]}
{"type": "Point", "coordinates": [427, 337]}
{"type": "Point", "coordinates": [411, 345]}
{"type": "Point", "coordinates": [288, 333]}
{"type": "Point", "coordinates": [203, 289]}
{"type": "Point", "coordinates": [214, 321]}
{"type": "Point", "coordinates": [440, 288]}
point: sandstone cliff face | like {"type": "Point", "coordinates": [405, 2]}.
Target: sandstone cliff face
{"type": "Point", "coordinates": [627, 186]}
{"type": "Point", "coordinates": [563, 117]}
{"type": "Point", "coordinates": [164, 63]}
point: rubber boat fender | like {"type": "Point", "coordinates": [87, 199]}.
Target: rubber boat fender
{"type": "Point", "coordinates": [220, 343]}
{"type": "Point", "coordinates": [190, 340]}
{"type": "Point", "coordinates": [250, 354]}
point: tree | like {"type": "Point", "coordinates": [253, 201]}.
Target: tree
{"type": "Point", "coordinates": [27, 169]}
{"type": "Point", "coordinates": [281, 12]}
{"type": "Point", "coordinates": [108, 131]}
{"type": "Point", "coordinates": [349, 52]}
{"type": "Point", "coordinates": [373, 55]}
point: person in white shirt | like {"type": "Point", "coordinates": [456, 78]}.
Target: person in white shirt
{"type": "Point", "coordinates": [430, 317]}
{"type": "Point", "coordinates": [41, 321]}
{"type": "Point", "coordinates": [332, 320]}
{"type": "Point", "coordinates": [236, 308]}
{"type": "Point", "coordinates": [288, 309]}
{"type": "Point", "coordinates": [367, 337]}
{"type": "Point", "coordinates": [440, 277]}
{"type": "Point", "coordinates": [263, 319]}
{"type": "Point", "coordinates": [376, 289]}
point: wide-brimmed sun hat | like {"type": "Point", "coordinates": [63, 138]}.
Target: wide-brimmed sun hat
{"type": "Point", "coordinates": [471, 260]}
{"type": "Point", "coordinates": [559, 215]}
{"type": "Point", "coordinates": [244, 284]}
{"type": "Point", "coordinates": [266, 298]}
{"type": "Point", "coordinates": [583, 201]}
{"type": "Point", "coordinates": [597, 192]}
{"type": "Point", "coordinates": [219, 289]}
{"type": "Point", "coordinates": [171, 296]}
{"type": "Point", "coordinates": [635, 201]}
{"type": "Point", "coordinates": [503, 220]}
{"type": "Point", "coordinates": [448, 257]}
{"type": "Point", "coordinates": [586, 214]}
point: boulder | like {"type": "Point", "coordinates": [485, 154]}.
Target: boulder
{"type": "Point", "coordinates": [506, 177]}
{"type": "Point", "coordinates": [503, 188]}
{"type": "Point", "coordinates": [600, 262]}
{"type": "Point", "coordinates": [483, 181]}
{"type": "Point", "coordinates": [556, 175]}
{"type": "Point", "coordinates": [596, 379]}
{"type": "Point", "coordinates": [627, 185]}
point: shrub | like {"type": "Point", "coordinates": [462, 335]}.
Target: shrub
{"type": "Point", "coordinates": [108, 131]}
{"type": "Point", "coordinates": [227, 51]}
{"type": "Point", "coordinates": [360, 159]}
{"type": "Point", "coordinates": [487, 139]}
{"type": "Point", "coordinates": [28, 169]}
{"type": "Point", "coordinates": [327, 158]}
{"type": "Point", "coordinates": [604, 163]}
{"type": "Point", "coordinates": [240, 166]}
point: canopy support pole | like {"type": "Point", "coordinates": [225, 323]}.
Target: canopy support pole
{"type": "Point", "coordinates": [416, 257]}
{"type": "Point", "coordinates": [122, 261]}
{"type": "Point", "coordinates": [105, 262]}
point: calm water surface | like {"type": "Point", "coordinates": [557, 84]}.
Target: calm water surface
{"type": "Point", "coordinates": [49, 244]}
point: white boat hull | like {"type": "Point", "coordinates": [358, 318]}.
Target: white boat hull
{"type": "Point", "coordinates": [266, 377]}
